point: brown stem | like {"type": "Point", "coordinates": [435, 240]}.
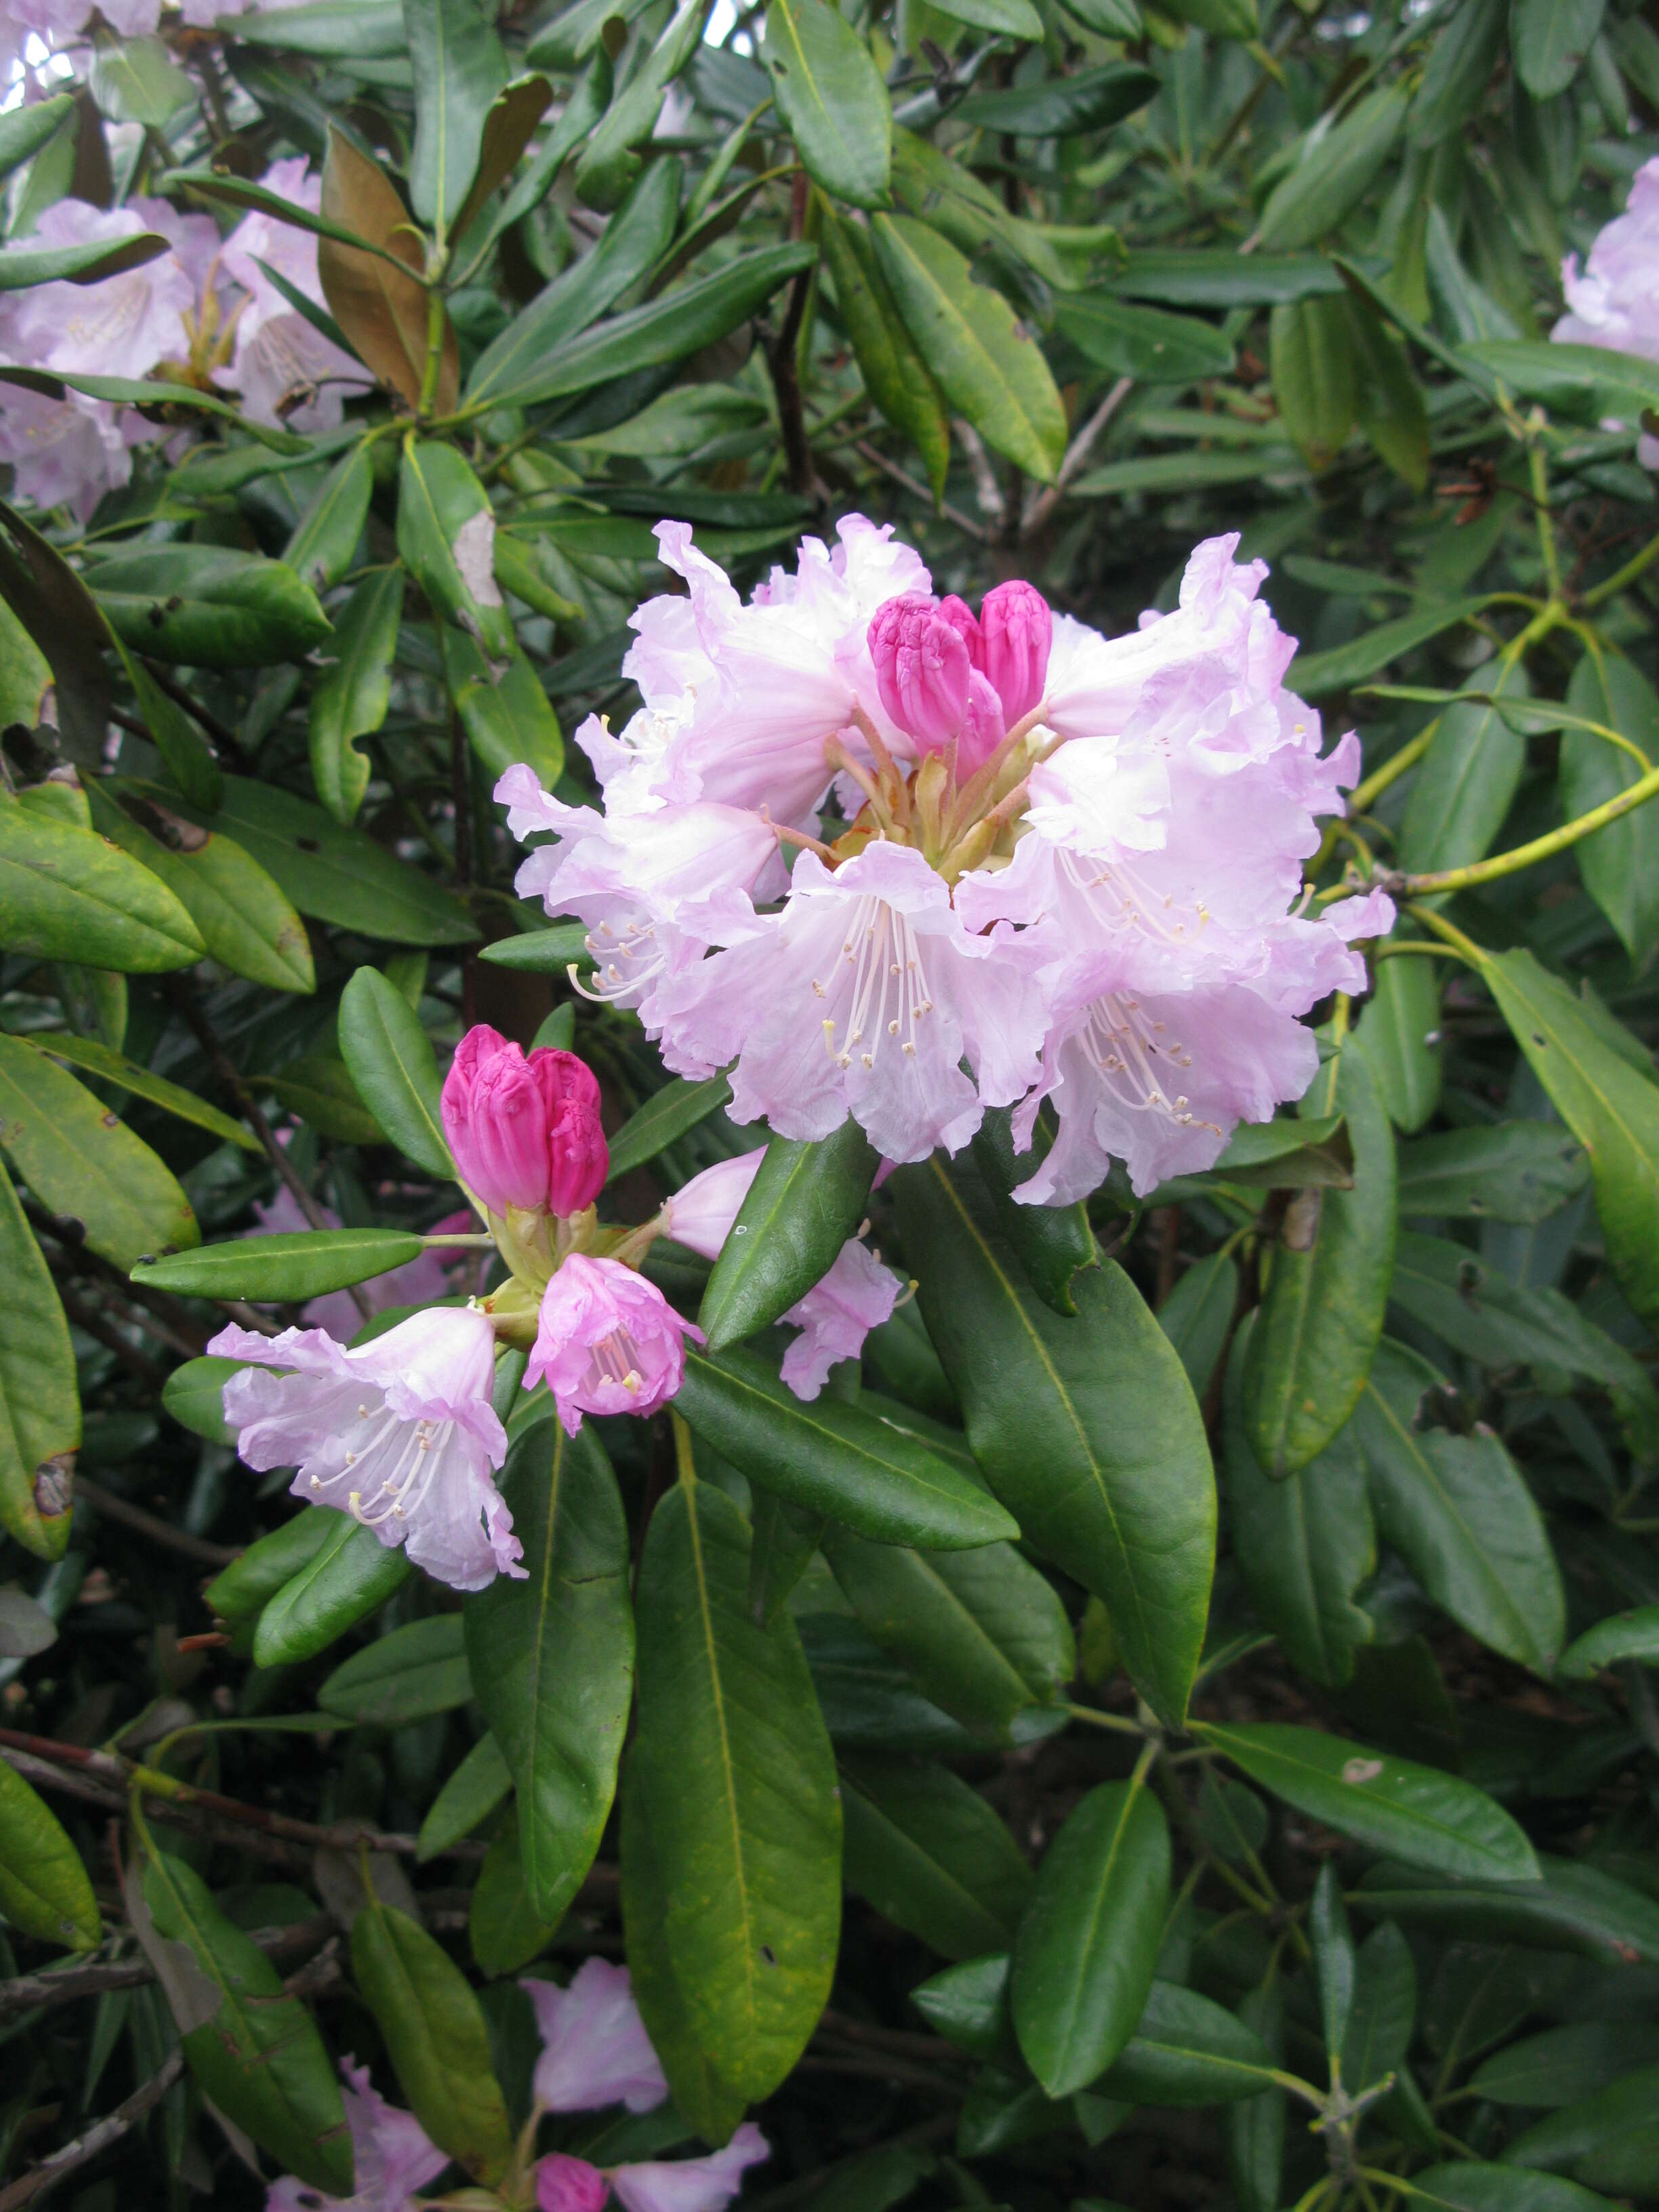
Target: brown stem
{"type": "Point", "coordinates": [94, 1976]}
{"type": "Point", "coordinates": [176, 691]}
{"type": "Point", "coordinates": [786, 383]}
{"type": "Point", "coordinates": [97, 1323]}
{"type": "Point", "coordinates": [94, 2139]}
{"type": "Point", "coordinates": [964, 523]}
{"type": "Point", "coordinates": [199, 1548]}
{"type": "Point", "coordinates": [1038, 511]}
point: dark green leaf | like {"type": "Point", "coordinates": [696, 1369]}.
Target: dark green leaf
{"type": "Point", "coordinates": [391, 1059]}
{"type": "Point", "coordinates": [1633, 1635]}
{"type": "Point", "coordinates": [1322, 674]}
{"type": "Point", "coordinates": [1475, 2188]}
{"type": "Point", "coordinates": [67, 894]}
{"type": "Point", "coordinates": [930, 1855]}
{"type": "Point", "coordinates": [806, 1200]}
{"type": "Point", "coordinates": [445, 535]}
{"type": "Point", "coordinates": [1619, 865]}
{"type": "Point", "coordinates": [351, 701]}
{"type": "Point", "coordinates": [1063, 106]}
{"type": "Point", "coordinates": [895, 374]}
{"type": "Point", "coordinates": [350, 1574]}
{"type": "Point", "coordinates": [1574, 1908]}
{"type": "Point", "coordinates": [302, 1264]}
{"type": "Point", "coordinates": [208, 605]}
{"type": "Point", "coordinates": [473, 1790]}
{"type": "Point", "coordinates": [1467, 782]}
{"type": "Point", "coordinates": [831, 97]}
{"type": "Point", "coordinates": [1550, 39]}
{"type": "Point", "coordinates": [1399, 1034]}
{"type": "Point", "coordinates": [1147, 343]}
{"type": "Point", "coordinates": [504, 1928]}
{"type": "Point", "coordinates": [43, 1888]}
{"type": "Point", "coordinates": [680, 1106]}
{"type": "Point", "coordinates": [1051, 1242]}
{"type": "Point", "coordinates": [1187, 2050]}
{"type": "Point", "coordinates": [460, 66]}
{"type": "Point", "coordinates": [1519, 1171]}
{"type": "Point", "coordinates": [1336, 167]}
{"type": "Point", "coordinates": [270, 1562]}
{"type": "Point", "coordinates": [326, 538]}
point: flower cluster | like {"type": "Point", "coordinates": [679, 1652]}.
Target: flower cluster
{"type": "Point", "coordinates": [205, 312]}
{"type": "Point", "coordinates": [595, 2053]}
{"type": "Point", "coordinates": [400, 1431]}
{"type": "Point", "coordinates": [1030, 863]}
{"type": "Point", "coordinates": [30, 28]}
{"type": "Point", "coordinates": [1615, 300]}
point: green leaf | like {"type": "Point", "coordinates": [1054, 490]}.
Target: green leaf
{"type": "Point", "coordinates": [460, 65]}
{"type": "Point", "coordinates": [1466, 2187]}
{"type": "Point", "coordinates": [81, 1162]}
{"type": "Point", "coordinates": [552, 1655]}
{"type": "Point", "coordinates": [663, 331]}
{"type": "Point", "coordinates": [23, 266]}
{"type": "Point", "coordinates": [1574, 1908]}
{"type": "Point", "coordinates": [258, 2055]}
{"type": "Point", "coordinates": [836, 1459]}
{"type": "Point", "coordinates": [1426, 1817]}
{"type": "Point", "coordinates": [503, 709]}
{"type": "Point", "coordinates": [331, 30]}
{"type": "Point", "coordinates": [1013, 18]}
{"type": "Point", "coordinates": [930, 1855]}
{"type": "Point", "coordinates": [126, 1074]}
{"type": "Point", "coordinates": [446, 535]}
{"type": "Point", "coordinates": [1108, 19]}
{"type": "Point", "coordinates": [895, 374]}
{"type": "Point", "coordinates": [1198, 1314]}
{"type": "Point", "coordinates": [632, 241]}
{"type": "Point", "coordinates": [1051, 1242]}
{"type": "Point", "coordinates": [1379, 2030]}
{"type": "Point", "coordinates": [1619, 865]}
{"type": "Point", "coordinates": [237, 909]}
{"type": "Point", "coordinates": [1086, 1428]}
{"type": "Point", "coordinates": [194, 1395]}
{"type": "Point", "coordinates": [982, 1632]}
{"type": "Point", "coordinates": [1145, 342]}
{"type": "Point", "coordinates": [1186, 2051]}
{"type": "Point", "coordinates": [43, 1888]}
{"type": "Point", "coordinates": [25, 130]}
{"type": "Point", "coordinates": [350, 1574]}
{"type": "Point", "coordinates": [1549, 39]}
{"type": "Point", "coordinates": [608, 163]}
{"type": "Point", "coordinates": [417, 1669]}
{"type": "Point", "coordinates": [291, 1269]}
{"type": "Point", "coordinates": [1566, 375]}
{"type": "Point", "coordinates": [1457, 1510]}
{"type": "Point", "coordinates": [1087, 1947]}
{"type": "Point", "coordinates": [1335, 168]}
{"type": "Point", "coordinates": [806, 1200]}
{"type": "Point", "coordinates": [1467, 780]}
{"type": "Point", "coordinates": [482, 1782]}
{"type": "Point", "coordinates": [739, 1789]}
{"type": "Point", "coordinates": [270, 1562]}
{"type": "Point", "coordinates": [67, 894]}
{"type": "Point", "coordinates": [208, 605]}
{"type": "Point", "coordinates": [1612, 1109]}
{"type": "Point", "coordinates": [435, 2036]}
{"type": "Point", "coordinates": [785, 1538]}
{"type": "Point", "coordinates": [546, 952]}
{"type": "Point", "coordinates": [1304, 1544]}
{"type": "Point", "coordinates": [831, 98]}
{"type": "Point", "coordinates": [508, 127]}
{"type": "Point", "coordinates": [1065, 106]}
{"type": "Point", "coordinates": [1633, 1635]}
{"type": "Point", "coordinates": [185, 754]}
{"type": "Point", "coordinates": [712, 2106]}
{"type": "Point", "coordinates": [989, 365]}
{"type": "Point", "coordinates": [1609, 2141]}
{"type": "Point", "coordinates": [1322, 674]}
{"type": "Point", "coordinates": [1323, 1314]}
{"type": "Point", "coordinates": [320, 1091]}
{"type": "Point", "coordinates": [1315, 375]}
{"type": "Point", "coordinates": [134, 81]}
{"type": "Point", "coordinates": [324, 545]}
{"type": "Point", "coordinates": [1459, 63]}
{"type": "Point", "coordinates": [967, 2005]}
{"type": "Point", "coordinates": [504, 1928]}
{"type": "Point", "coordinates": [1392, 411]}
{"type": "Point", "coordinates": [1519, 1171]}
{"type": "Point", "coordinates": [666, 1117]}
{"type": "Point", "coordinates": [1480, 1313]}
{"type": "Point", "coordinates": [1565, 2065]}
{"type": "Point", "coordinates": [338, 873]}
{"type": "Point", "coordinates": [392, 1064]}
{"type": "Point", "coordinates": [1217, 276]}
{"type": "Point", "coordinates": [352, 698]}
{"type": "Point", "coordinates": [1401, 1016]}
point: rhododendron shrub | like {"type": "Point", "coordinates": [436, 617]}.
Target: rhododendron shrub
{"type": "Point", "coordinates": [829, 1138]}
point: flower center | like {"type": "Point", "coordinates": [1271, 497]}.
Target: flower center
{"type": "Point", "coordinates": [615, 1359]}
{"type": "Point", "coordinates": [1121, 900]}
{"type": "Point", "coordinates": [1129, 1050]}
{"type": "Point", "coordinates": [414, 1458]}
{"type": "Point", "coordinates": [885, 960]}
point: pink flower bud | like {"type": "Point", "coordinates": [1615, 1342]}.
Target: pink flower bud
{"type": "Point", "coordinates": [608, 1341]}
{"type": "Point", "coordinates": [960, 618]}
{"type": "Point", "coordinates": [1016, 629]}
{"type": "Point", "coordinates": [922, 667]}
{"type": "Point", "coordinates": [525, 1131]}
{"type": "Point", "coordinates": [982, 725]}
{"type": "Point", "coordinates": [569, 2184]}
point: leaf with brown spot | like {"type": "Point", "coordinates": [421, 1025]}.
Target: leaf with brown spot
{"type": "Point", "coordinates": [382, 313]}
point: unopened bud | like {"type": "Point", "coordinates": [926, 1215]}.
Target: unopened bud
{"type": "Point", "coordinates": [922, 668]}
{"type": "Point", "coordinates": [1016, 631]}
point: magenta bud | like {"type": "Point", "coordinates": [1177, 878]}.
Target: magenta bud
{"type": "Point", "coordinates": [962, 619]}
{"type": "Point", "coordinates": [982, 726]}
{"type": "Point", "coordinates": [525, 1132]}
{"type": "Point", "coordinates": [1015, 630]}
{"type": "Point", "coordinates": [922, 668]}
{"type": "Point", "coordinates": [564, 2184]}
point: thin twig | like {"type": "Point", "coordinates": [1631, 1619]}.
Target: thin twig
{"type": "Point", "coordinates": [964, 523]}
{"type": "Point", "coordinates": [986, 490]}
{"type": "Point", "coordinates": [83, 1978]}
{"type": "Point", "coordinates": [211, 722]}
{"type": "Point", "coordinates": [96, 2138]}
{"type": "Point", "coordinates": [1039, 508]}
{"type": "Point", "coordinates": [98, 1324]}
{"type": "Point", "coordinates": [199, 1548]}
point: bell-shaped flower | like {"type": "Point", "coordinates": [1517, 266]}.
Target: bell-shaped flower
{"type": "Point", "coordinates": [65, 453]}
{"type": "Point", "coordinates": [607, 1341]}
{"type": "Point", "coordinates": [681, 2184]}
{"type": "Point", "coordinates": [286, 371]}
{"type": "Point", "coordinates": [862, 997]}
{"type": "Point", "coordinates": [1614, 301]}
{"type": "Point", "coordinates": [399, 1432]}
{"type": "Point", "coordinates": [856, 1295]}
{"type": "Point", "coordinates": [523, 1129]}
{"type": "Point", "coordinates": [122, 325]}
{"type": "Point", "coordinates": [595, 2051]}
{"type": "Point", "coordinates": [391, 2151]}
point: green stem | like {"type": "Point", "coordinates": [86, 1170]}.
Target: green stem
{"type": "Point", "coordinates": [1538, 472]}
{"type": "Point", "coordinates": [436, 322]}
{"type": "Point", "coordinates": [1397, 946]}
{"type": "Point", "coordinates": [1116, 1721]}
{"type": "Point", "coordinates": [1360, 800]}
{"type": "Point", "coordinates": [1541, 848]}
{"type": "Point", "coordinates": [1622, 579]}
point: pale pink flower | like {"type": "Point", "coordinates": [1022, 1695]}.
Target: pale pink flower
{"type": "Point", "coordinates": [393, 2155]}
{"type": "Point", "coordinates": [399, 1432]}
{"type": "Point", "coordinates": [1615, 301]}
{"type": "Point", "coordinates": [607, 1341]}
{"type": "Point", "coordinates": [525, 1130]}
{"type": "Point", "coordinates": [286, 371]}
{"type": "Point", "coordinates": [856, 1295]}
{"type": "Point", "coordinates": [684, 2184]}
{"type": "Point", "coordinates": [421, 1282]}
{"type": "Point", "coordinates": [120, 327]}
{"type": "Point", "coordinates": [862, 997]}
{"type": "Point", "coordinates": [65, 453]}
{"type": "Point", "coordinates": [595, 2051]}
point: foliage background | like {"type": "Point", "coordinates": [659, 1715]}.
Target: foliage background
{"type": "Point", "coordinates": [1060, 290]}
